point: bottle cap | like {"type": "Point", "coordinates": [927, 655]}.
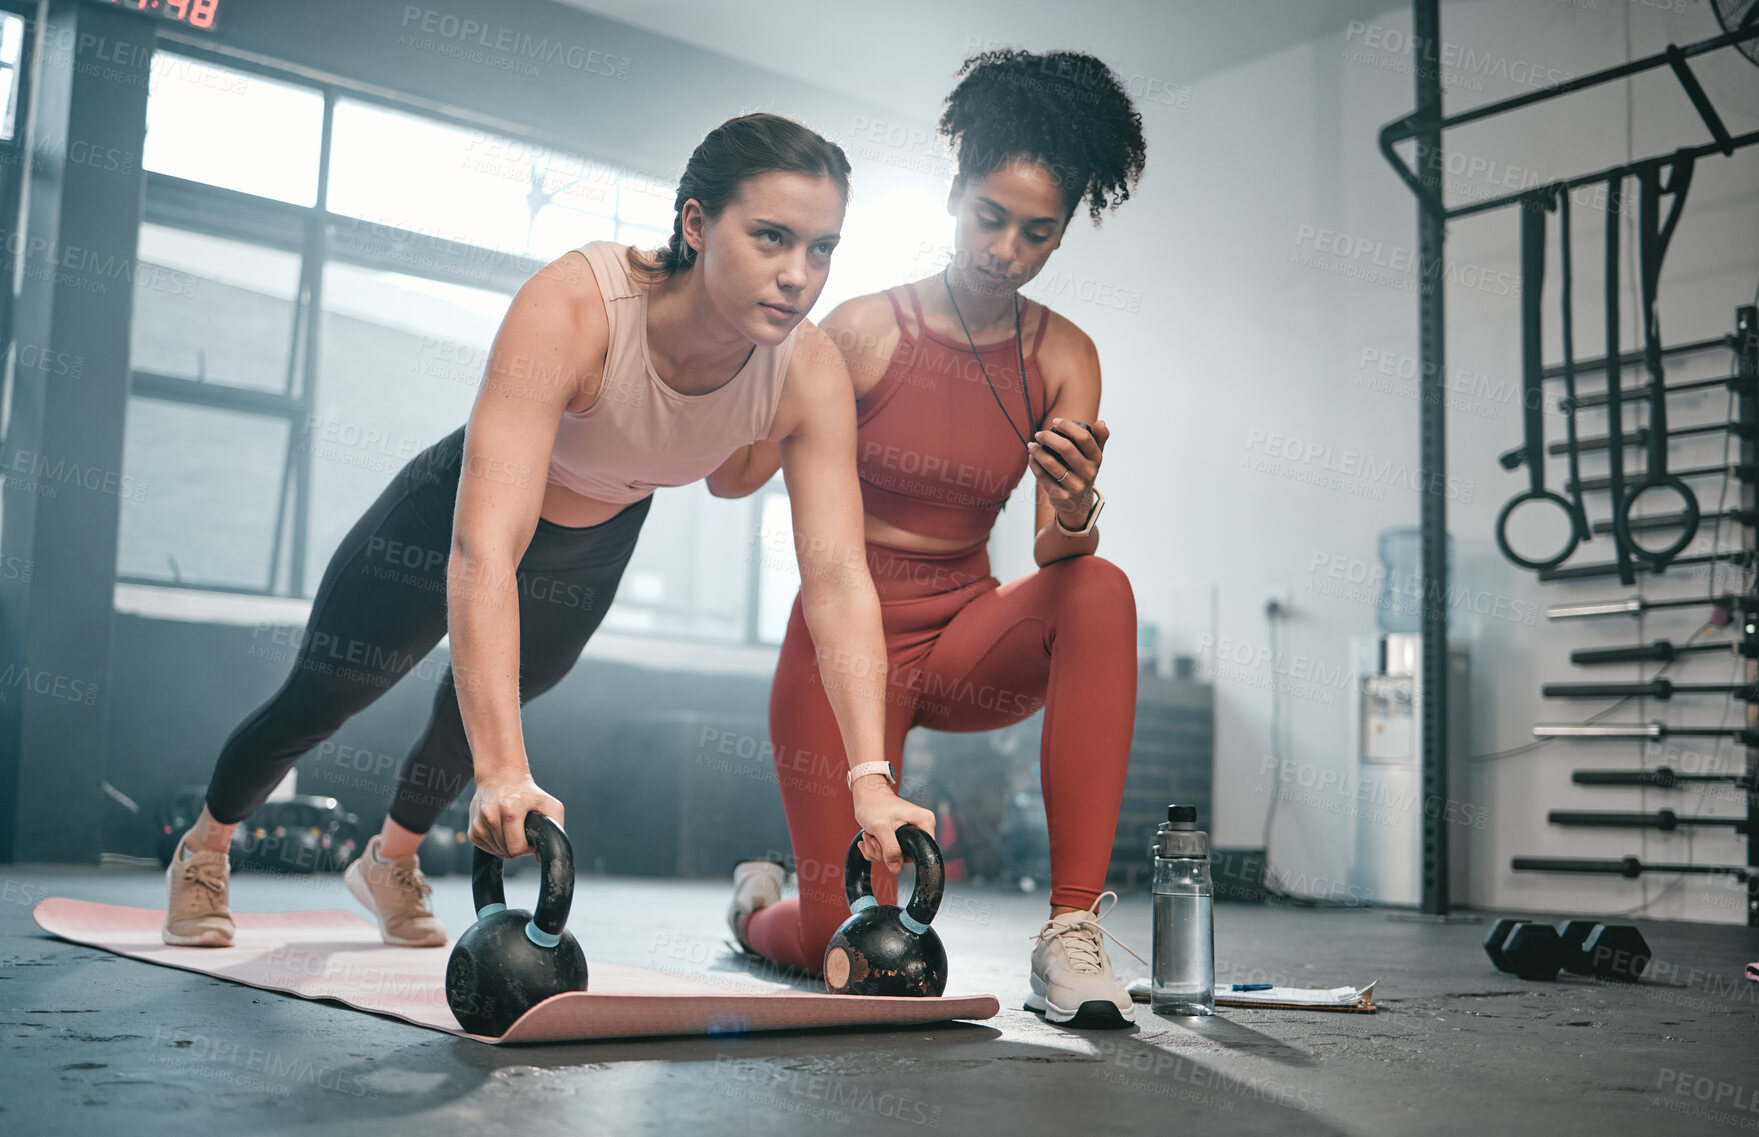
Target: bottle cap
{"type": "Point", "coordinates": [1178, 835]}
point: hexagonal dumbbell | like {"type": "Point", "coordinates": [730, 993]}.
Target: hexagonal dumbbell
{"type": "Point", "coordinates": [1534, 951]}
{"type": "Point", "coordinates": [1617, 952]}
{"type": "Point", "coordinates": [1575, 933]}
{"type": "Point", "coordinates": [1614, 952]}
{"type": "Point", "coordinates": [1537, 951]}
{"type": "Point", "coordinates": [1494, 941]}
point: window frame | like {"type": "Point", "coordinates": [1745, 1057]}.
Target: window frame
{"type": "Point", "coordinates": [320, 237]}
{"type": "Point", "coordinates": [14, 155]}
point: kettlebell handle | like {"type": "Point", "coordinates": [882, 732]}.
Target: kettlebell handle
{"type": "Point", "coordinates": [931, 877]}
{"type": "Point", "coordinates": [555, 887]}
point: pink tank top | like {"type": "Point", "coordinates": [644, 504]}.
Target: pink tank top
{"type": "Point", "coordinates": [640, 434]}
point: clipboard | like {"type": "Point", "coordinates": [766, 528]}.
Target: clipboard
{"type": "Point", "coordinates": [1351, 1000]}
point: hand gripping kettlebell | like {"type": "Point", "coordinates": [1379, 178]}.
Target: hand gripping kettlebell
{"type": "Point", "coordinates": [510, 960]}
{"type": "Point", "coordinates": [882, 949]}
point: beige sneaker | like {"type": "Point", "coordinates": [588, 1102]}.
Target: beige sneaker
{"type": "Point", "coordinates": [195, 913]}
{"type": "Point", "coordinates": [1072, 979]}
{"type": "Point", "coordinates": [397, 893]}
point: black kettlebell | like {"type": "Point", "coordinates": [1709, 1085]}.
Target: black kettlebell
{"type": "Point", "coordinates": [509, 961]}
{"type": "Point", "coordinates": [882, 949]}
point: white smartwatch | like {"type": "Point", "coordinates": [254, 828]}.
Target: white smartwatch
{"type": "Point", "coordinates": [1092, 518]}
{"type": "Point", "coordinates": [867, 768]}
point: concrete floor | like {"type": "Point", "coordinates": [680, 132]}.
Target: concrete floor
{"type": "Point", "coordinates": [95, 1043]}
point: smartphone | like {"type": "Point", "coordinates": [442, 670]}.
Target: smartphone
{"type": "Point", "coordinates": [1078, 423]}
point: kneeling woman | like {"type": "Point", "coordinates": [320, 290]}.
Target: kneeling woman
{"type": "Point", "coordinates": [613, 373]}
{"type": "Point", "coordinates": [961, 386]}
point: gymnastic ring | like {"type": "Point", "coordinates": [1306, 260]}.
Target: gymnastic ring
{"type": "Point", "coordinates": [1502, 524]}
{"type": "Point", "coordinates": [1621, 520]}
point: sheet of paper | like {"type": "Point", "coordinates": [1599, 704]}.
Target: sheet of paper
{"type": "Point", "coordinates": [1326, 996]}
{"type": "Point", "coordinates": [1277, 996]}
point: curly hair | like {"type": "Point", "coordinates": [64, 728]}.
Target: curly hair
{"type": "Point", "coordinates": [1065, 110]}
{"type": "Point", "coordinates": [730, 155]}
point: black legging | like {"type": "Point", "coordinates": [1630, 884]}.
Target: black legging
{"type": "Point", "coordinates": [381, 608]}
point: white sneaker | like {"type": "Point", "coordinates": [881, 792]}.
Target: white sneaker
{"type": "Point", "coordinates": [1072, 980]}
{"type": "Point", "coordinates": [756, 884]}
{"type": "Point", "coordinates": [397, 893]}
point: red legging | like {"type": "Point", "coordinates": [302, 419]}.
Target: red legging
{"type": "Point", "coordinates": [967, 653]}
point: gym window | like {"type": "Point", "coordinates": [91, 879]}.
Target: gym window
{"type": "Point", "coordinates": [11, 46]}
{"type": "Point", "coordinates": [333, 270]}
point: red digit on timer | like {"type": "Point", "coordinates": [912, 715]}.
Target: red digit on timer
{"type": "Point", "coordinates": [181, 7]}
{"type": "Point", "coordinates": [201, 13]}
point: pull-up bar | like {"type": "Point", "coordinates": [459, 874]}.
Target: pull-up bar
{"type": "Point", "coordinates": [1673, 56]}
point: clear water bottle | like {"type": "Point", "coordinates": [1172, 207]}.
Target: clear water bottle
{"type": "Point", "coordinates": [1184, 918]}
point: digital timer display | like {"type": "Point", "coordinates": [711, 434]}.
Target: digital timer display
{"type": "Point", "coordinates": [191, 13]}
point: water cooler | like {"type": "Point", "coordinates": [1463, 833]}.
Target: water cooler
{"type": "Point", "coordinates": [1389, 800]}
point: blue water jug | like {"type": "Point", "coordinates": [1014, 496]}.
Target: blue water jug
{"type": "Point", "coordinates": [1399, 607]}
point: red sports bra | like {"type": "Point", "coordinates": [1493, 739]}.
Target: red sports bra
{"type": "Point", "coordinates": [933, 451]}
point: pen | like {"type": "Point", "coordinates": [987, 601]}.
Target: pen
{"type": "Point", "coordinates": [1251, 987]}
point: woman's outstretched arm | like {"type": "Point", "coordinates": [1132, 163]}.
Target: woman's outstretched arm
{"type": "Point", "coordinates": [554, 333]}
{"type": "Point", "coordinates": [837, 596]}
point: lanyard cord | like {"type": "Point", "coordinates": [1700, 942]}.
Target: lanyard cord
{"type": "Point", "coordinates": [1019, 351]}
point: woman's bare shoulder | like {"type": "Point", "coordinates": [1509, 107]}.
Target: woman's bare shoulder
{"type": "Point", "coordinates": [570, 281]}
{"type": "Point", "coordinates": [1064, 341]}
{"type": "Point", "coordinates": [866, 331]}
{"type": "Point", "coordinates": [870, 314]}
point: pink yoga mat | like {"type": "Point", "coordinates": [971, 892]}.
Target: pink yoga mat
{"type": "Point", "coordinates": [337, 955]}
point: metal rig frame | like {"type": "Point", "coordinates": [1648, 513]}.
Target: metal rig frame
{"type": "Point", "coordinates": [1425, 126]}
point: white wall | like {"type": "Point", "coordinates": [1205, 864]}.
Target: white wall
{"type": "Point", "coordinates": [1236, 340]}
